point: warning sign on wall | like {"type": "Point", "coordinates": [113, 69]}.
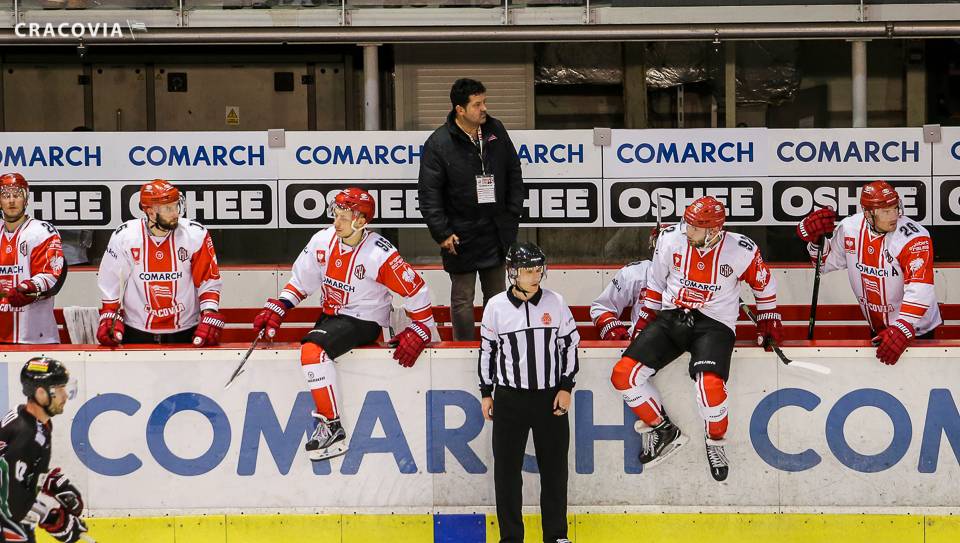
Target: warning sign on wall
{"type": "Point", "coordinates": [232, 116]}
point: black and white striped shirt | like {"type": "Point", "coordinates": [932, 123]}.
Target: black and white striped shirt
{"type": "Point", "coordinates": [530, 345]}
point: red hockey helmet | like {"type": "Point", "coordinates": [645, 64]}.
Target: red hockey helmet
{"type": "Point", "coordinates": [158, 192]}
{"type": "Point", "coordinates": [878, 195]}
{"type": "Point", "coordinates": [13, 179]}
{"type": "Point", "coordinates": [705, 212]}
{"type": "Point", "coordinates": [358, 200]}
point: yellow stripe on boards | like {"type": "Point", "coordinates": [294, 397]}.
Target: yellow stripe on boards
{"type": "Point", "coordinates": [942, 529]}
{"type": "Point", "coordinates": [749, 528]}
{"type": "Point", "coordinates": [282, 528]}
{"type": "Point", "coordinates": [532, 529]}
{"type": "Point", "coordinates": [124, 530]}
{"type": "Point", "coordinates": [387, 528]}
{"type": "Point", "coordinates": [200, 529]}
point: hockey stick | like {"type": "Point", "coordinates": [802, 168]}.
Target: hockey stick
{"type": "Point", "coordinates": [239, 370]}
{"type": "Point", "coordinates": [816, 287]}
{"type": "Point", "coordinates": [783, 358]}
{"type": "Point", "coordinates": [816, 280]}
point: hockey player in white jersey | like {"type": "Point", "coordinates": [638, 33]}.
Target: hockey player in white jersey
{"type": "Point", "coordinates": [693, 295]}
{"type": "Point", "coordinates": [889, 261]}
{"type": "Point", "coordinates": [31, 268]}
{"type": "Point", "coordinates": [159, 279]}
{"type": "Point", "coordinates": [626, 289]}
{"type": "Point", "coordinates": [356, 272]}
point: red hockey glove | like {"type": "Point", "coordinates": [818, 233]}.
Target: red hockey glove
{"type": "Point", "coordinates": [110, 332]}
{"type": "Point", "coordinates": [769, 329]}
{"type": "Point", "coordinates": [63, 526]}
{"type": "Point", "coordinates": [208, 331]}
{"type": "Point", "coordinates": [271, 317]}
{"type": "Point", "coordinates": [612, 328]}
{"type": "Point", "coordinates": [410, 343]}
{"type": "Point", "coordinates": [57, 486]}
{"type": "Point", "coordinates": [893, 340]}
{"type": "Point", "coordinates": [818, 223]}
{"type": "Point", "coordinates": [23, 294]}
{"type": "Point", "coordinates": [644, 317]}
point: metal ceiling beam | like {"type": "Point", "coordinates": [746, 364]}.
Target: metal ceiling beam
{"type": "Point", "coordinates": [516, 34]}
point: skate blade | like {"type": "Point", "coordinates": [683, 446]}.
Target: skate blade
{"type": "Point", "coordinates": [668, 452]}
{"type": "Point", "coordinates": [325, 454]}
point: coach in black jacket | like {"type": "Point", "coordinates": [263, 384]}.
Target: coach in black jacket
{"type": "Point", "coordinates": [472, 207]}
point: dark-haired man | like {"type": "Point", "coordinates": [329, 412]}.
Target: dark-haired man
{"type": "Point", "coordinates": [471, 197]}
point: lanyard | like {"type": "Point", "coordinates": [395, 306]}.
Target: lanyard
{"type": "Point", "coordinates": [480, 147]}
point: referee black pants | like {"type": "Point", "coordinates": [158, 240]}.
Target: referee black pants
{"type": "Point", "coordinates": [515, 413]}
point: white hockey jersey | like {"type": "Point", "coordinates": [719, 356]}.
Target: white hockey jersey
{"type": "Point", "coordinates": [357, 281]}
{"type": "Point", "coordinates": [626, 289]}
{"type": "Point", "coordinates": [891, 274]}
{"type": "Point", "coordinates": [163, 283]}
{"type": "Point", "coordinates": [32, 252]}
{"type": "Point", "coordinates": [682, 276]}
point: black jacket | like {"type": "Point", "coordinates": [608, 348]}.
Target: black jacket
{"type": "Point", "coordinates": [24, 455]}
{"type": "Point", "coordinates": [448, 194]}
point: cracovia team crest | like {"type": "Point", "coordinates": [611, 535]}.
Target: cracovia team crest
{"type": "Point", "coordinates": [359, 271]}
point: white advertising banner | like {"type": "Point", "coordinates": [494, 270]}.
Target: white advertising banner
{"type": "Point", "coordinates": [235, 180]}
{"type": "Point", "coordinates": [562, 171]}
{"type": "Point", "coordinates": [91, 179]}
{"type": "Point", "coordinates": [153, 432]}
{"type": "Point", "coordinates": [946, 180]}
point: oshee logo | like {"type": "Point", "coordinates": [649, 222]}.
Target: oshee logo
{"type": "Point", "coordinates": [378, 431]}
{"type": "Point", "coordinates": [214, 204]}
{"type": "Point", "coordinates": [793, 200]}
{"type": "Point", "coordinates": [633, 202]}
{"type": "Point", "coordinates": [950, 200]}
{"type": "Point", "coordinates": [79, 204]}
{"type": "Point", "coordinates": [568, 202]}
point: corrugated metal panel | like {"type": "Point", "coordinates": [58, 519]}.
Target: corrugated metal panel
{"type": "Point", "coordinates": [425, 73]}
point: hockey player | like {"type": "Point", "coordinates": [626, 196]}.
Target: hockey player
{"type": "Point", "coordinates": [528, 359]}
{"type": "Point", "coordinates": [626, 289]}
{"type": "Point", "coordinates": [693, 294]}
{"type": "Point", "coordinates": [356, 272]}
{"type": "Point", "coordinates": [159, 278]}
{"type": "Point", "coordinates": [889, 261]}
{"type": "Point", "coordinates": [31, 267]}
{"type": "Point", "coordinates": [26, 435]}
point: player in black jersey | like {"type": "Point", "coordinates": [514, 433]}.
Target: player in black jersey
{"type": "Point", "coordinates": [25, 444]}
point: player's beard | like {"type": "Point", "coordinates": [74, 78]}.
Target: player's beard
{"type": "Point", "coordinates": [165, 225]}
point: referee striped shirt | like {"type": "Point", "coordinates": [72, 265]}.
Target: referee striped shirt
{"type": "Point", "coordinates": [528, 344]}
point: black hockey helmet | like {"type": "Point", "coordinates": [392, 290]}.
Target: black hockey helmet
{"type": "Point", "coordinates": [524, 255]}
{"type": "Point", "coordinates": [43, 372]}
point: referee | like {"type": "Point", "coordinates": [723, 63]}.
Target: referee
{"type": "Point", "coordinates": [528, 352]}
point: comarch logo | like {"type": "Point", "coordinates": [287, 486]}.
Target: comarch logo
{"type": "Point", "coordinates": [80, 30]}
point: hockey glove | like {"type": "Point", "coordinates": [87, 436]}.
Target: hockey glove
{"type": "Point", "coordinates": [644, 317]}
{"type": "Point", "coordinates": [23, 294]}
{"type": "Point", "coordinates": [63, 526]}
{"type": "Point", "coordinates": [410, 343]}
{"type": "Point", "coordinates": [110, 331]}
{"type": "Point", "coordinates": [612, 328]}
{"type": "Point", "coordinates": [893, 340]}
{"type": "Point", "coordinates": [57, 486]}
{"type": "Point", "coordinates": [270, 317]}
{"type": "Point", "coordinates": [209, 329]}
{"type": "Point", "coordinates": [769, 329]}
{"type": "Point", "coordinates": [818, 223]}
